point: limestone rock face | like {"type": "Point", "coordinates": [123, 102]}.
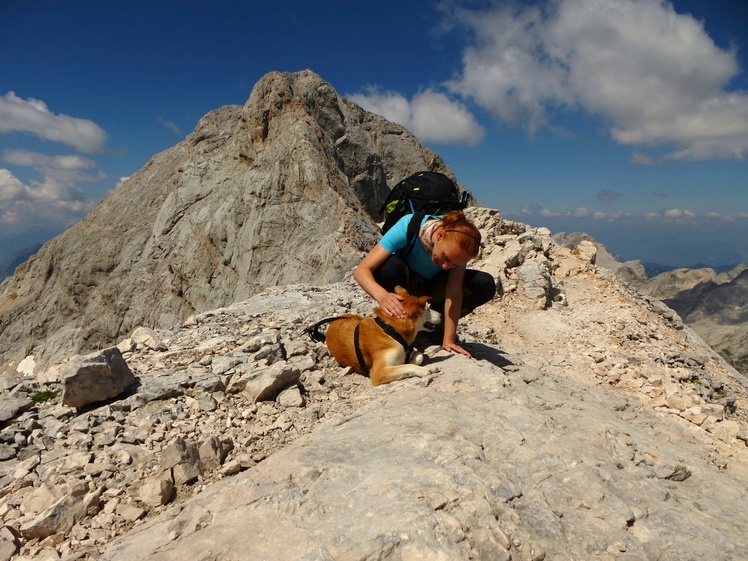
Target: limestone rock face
{"type": "Point", "coordinates": [281, 190]}
{"type": "Point", "coordinates": [714, 305]}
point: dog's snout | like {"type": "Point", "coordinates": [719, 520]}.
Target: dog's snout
{"type": "Point", "coordinates": [434, 316]}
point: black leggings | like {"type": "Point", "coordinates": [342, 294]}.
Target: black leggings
{"type": "Point", "coordinates": [478, 287]}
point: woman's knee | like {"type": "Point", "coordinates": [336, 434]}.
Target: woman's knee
{"type": "Point", "coordinates": [481, 287]}
{"type": "Point", "coordinates": [391, 273]}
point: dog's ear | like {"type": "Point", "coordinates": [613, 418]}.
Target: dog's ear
{"type": "Point", "coordinates": [400, 291]}
{"type": "Point", "coordinates": [424, 299]}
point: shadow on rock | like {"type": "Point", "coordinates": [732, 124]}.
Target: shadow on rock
{"type": "Point", "coordinates": [493, 355]}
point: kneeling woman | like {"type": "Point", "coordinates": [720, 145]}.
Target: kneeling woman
{"type": "Point", "coordinates": [435, 266]}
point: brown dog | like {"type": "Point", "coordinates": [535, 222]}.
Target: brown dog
{"type": "Point", "coordinates": [383, 343]}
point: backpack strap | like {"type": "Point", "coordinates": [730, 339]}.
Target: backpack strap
{"type": "Point", "coordinates": [412, 236]}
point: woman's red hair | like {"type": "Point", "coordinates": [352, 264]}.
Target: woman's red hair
{"type": "Point", "coordinates": [458, 229]}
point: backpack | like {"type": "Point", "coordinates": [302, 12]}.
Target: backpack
{"type": "Point", "coordinates": [424, 192]}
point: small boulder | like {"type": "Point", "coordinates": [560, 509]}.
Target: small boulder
{"type": "Point", "coordinates": [95, 377]}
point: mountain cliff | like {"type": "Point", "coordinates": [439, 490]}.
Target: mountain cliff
{"type": "Point", "coordinates": [281, 190]}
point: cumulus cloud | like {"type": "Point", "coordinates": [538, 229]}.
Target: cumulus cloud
{"type": "Point", "coordinates": [11, 188]}
{"type": "Point", "coordinates": [56, 198]}
{"type": "Point", "coordinates": [652, 75]}
{"type": "Point", "coordinates": [663, 217]}
{"type": "Point", "coordinates": [430, 115]}
{"type": "Point", "coordinates": [69, 168]}
{"type": "Point", "coordinates": [669, 215]}
{"type": "Point", "coordinates": [33, 116]}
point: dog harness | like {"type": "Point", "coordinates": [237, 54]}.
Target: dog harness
{"type": "Point", "coordinates": [388, 330]}
{"type": "Point", "coordinates": [313, 331]}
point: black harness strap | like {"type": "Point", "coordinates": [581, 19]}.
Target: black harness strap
{"type": "Point", "coordinates": [392, 332]}
{"type": "Point", "coordinates": [359, 354]}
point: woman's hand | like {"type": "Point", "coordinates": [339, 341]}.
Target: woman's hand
{"type": "Point", "coordinates": [391, 304]}
{"type": "Point", "coordinates": [454, 347]}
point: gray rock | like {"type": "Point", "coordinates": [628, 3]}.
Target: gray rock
{"type": "Point", "coordinates": [264, 384]}
{"type": "Point", "coordinates": [11, 407]}
{"type": "Point", "coordinates": [8, 544]}
{"type": "Point", "coordinates": [178, 452]}
{"type": "Point", "coordinates": [61, 516]}
{"type": "Point", "coordinates": [147, 337]}
{"type": "Point", "coordinates": [96, 377]}
{"type": "Point", "coordinates": [157, 490]}
{"type": "Point", "coordinates": [424, 471]}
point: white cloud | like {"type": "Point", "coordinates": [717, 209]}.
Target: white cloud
{"type": "Point", "coordinates": [678, 214]}
{"type": "Point", "coordinates": [57, 198]}
{"type": "Point", "coordinates": [61, 169]}
{"type": "Point", "coordinates": [32, 116]}
{"type": "Point", "coordinates": [171, 125]}
{"type": "Point", "coordinates": [11, 188]}
{"type": "Point", "coordinates": [670, 215]}
{"type": "Point", "coordinates": [654, 76]}
{"type": "Point", "coordinates": [430, 115]}
{"type": "Point", "coordinates": [50, 201]}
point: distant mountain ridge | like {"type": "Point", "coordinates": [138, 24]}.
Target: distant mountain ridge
{"type": "Point", "coordinates": [654, 269]}
{"type": "Point", "coordinates": [718, 312]}
{"type": "Point", "coordinates": [17, 248]}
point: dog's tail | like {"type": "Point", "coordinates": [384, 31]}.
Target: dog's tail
{"type": "Point", "coordinates": [313, 330]}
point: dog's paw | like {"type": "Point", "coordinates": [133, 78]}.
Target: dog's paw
{"type": "Point", "coordinates": [431, 369]}
{"type": "Point", "coordinates": [416, 357]}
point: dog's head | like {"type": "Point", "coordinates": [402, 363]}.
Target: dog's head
{"type": "Point", "coordinates": [417, 311]}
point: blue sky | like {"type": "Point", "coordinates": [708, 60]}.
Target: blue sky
{"type": "Point", "coordinates": [627, 119]}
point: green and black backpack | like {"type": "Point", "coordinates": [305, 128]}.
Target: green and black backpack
{"type": "Point", "coordinates": [424, 192]}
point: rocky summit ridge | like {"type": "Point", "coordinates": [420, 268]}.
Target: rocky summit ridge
{"type": "Point", "coordinates": [592, 423]}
